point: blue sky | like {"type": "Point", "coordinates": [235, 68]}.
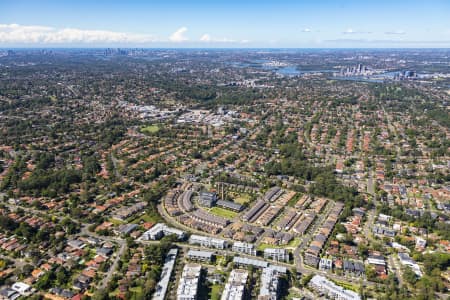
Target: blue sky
{"type": "Point", "coordinates": [216, 23]}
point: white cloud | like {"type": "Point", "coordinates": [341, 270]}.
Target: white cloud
{"type": "Point", "coordinates": [178, 36]}
{"type": "Point", "coordinates": [31, 34]}
{"type": "Point", "coordinates": [306, 30]}
{"type": "Point", "coordinates": [348, 31]}
{"type": "Point", "coordinates": [396, 32]}
{"type": "Point", "coordinates": [22, 34]}
{"type": "Point", "coordinates": [206, 38]}
{"type": "Point", "coordinates": [352, 31]}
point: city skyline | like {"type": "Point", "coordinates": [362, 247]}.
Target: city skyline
{"type": "Point", "coordinates": [230, 24]}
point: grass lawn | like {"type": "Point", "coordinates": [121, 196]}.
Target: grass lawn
{"type": "Point", "coordinates": [263, 246]}
{"type": "Point", "coordinates": [150, 129]}
{"type": "Point", "coordinates": [220, 260]}
{"type": "Point", "coordinates": [137, 290]}
{"type": "Point", "coordinates": [347, 285]}
{"type": "Point", "coordinates": [114, 293]}
{"type": "Point", "coordinates": [222, 212]}
{"type": "Point", "coordinates": [216, 291]}
{"type": "Point", "coordinates": [242, 199]}
{"type": "Point", "coordinates": [294, 243]}
{"type": "Point", "coordinates": [147, 218]}
{"type": "Point", "coordinates": [294, 294]}
{"type": "Point", "coordinates": [294, 200]}
{"type": "Point", "coordinates": [115, 221]}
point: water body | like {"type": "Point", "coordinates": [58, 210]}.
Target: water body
{"type": "Point", "coordinates": [289, 70]}
{"type": "Point", "coordinates": [294, 71]}
{"type": "Point", "coordinates": [356, 78]}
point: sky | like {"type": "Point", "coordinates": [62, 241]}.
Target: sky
{"type": "Point", "coordinates": [226, 24]}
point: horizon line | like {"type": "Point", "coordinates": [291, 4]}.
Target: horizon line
{"type": "Point", "coordinates": [224, 48]}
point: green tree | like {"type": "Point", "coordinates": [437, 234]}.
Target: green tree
{"type": "Point", "coordinates": [409, 275]}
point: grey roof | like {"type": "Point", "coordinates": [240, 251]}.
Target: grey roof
{"type": "Point", "coordinates": [186, 200]}
{"type": "Point", "coordinates": [230, 204]}
{"type": "Point", "coordinates": [251, 262]}
{"type": "Point", "coordinates": [271, 193]}
{"type": "Point", "coordinates": [359, 266]}
{"type": "Point", "coordinates": [103, 251]}
{"type": "Point", "coordinates": [259, 206]}
{"type": "Point", "coordinates": [320, 237]}
{"type": "Point", "coordinates": [199, 253]}
{"type": "Point", "coordinates": [279, 269]}
{"type": "Point", "coordinates": [162, 285]}
{"type": "Point", "coordinates": [208, 196]}
{"type": "Point", "coordinates": [209, 218]}
{"type": "Point", "coordinates": [348, 265]}
{"type": "Point", "coordinates": [127, 228]}
{"type": "Point", "coordinates": [314, 248]}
